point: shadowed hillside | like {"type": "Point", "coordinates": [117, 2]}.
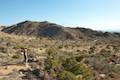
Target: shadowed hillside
{"type": "Point", "coordinates": [55, 31]}
{"type": "Point", "coordinates": [39, 29]}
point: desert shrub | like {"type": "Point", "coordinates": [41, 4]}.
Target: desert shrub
{"type": "Point", "coordinates": [115, 69]}
{"type": "Point", "coordinates": [77, 68]}
{"type": "Point", "coordinates": [92, 49]}
{"type": "Point", "coordinates": [16, 47]}
{"type": "Point", "coordinates": [70, 66]}
{"type": "Point", "coordinates": [82, 69]}
{"type": "Point", "coordinates": [16, 56]}
{"type": "Point", "coordinates": [3, 49]}
{"type": "Point", "coordinates": [45, 45]}
{"type": "Point", "coordinates": [66, 46]}
{"type": "Point", "coordinates": [51, 63]}
{"type": "Point", "coordinates": [84, 52]}
{"type": "Point", "coordinates": [66, 75]}
{"type": "Point", "coordinates": [50, 52]}
{"type": "Point", "coordinates": [105, 53]}
{"type": "Point", "coordinates": [60, 46]}
{"type": "Point", "coordinates": [97, 62]}
{"type": "Point", "coordinates": [103, 63]}
{"type": "Point", "coordinates": [69, 63]}
{"type": "Point", "coordinates": [80, 57]}
{"type": "Point", "coordinates": [77, 50]}
{"type": "Point", "coordinates": [52, 60]}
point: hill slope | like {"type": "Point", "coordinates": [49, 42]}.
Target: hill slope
{"type": "Point", "coordinates": [98, 58]}
{"type": "Point", "coordinates": [52, 30]}
{"type": "Point", "coordinates": [43, 29]}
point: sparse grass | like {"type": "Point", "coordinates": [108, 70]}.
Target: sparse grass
{"type": "Point", "coordinates": [88, 56]}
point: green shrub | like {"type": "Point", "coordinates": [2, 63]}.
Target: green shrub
{"type": "Point", "coordinates": [77, 68]}
{"type": "Point", "coordinates": [50, 52]}
{"type": "Point", "coordinates": [82, 69]}
{"type": "Point", "coordinates": [69, 63]}
{"type": "Point", "coordinates": [51, 63]}
{"type": "Point", "coordinates": [79, 58]}
{"type": "Point", "coordinates": [66, 75]}
{"type": "Point", "coordinates": [52, 60]}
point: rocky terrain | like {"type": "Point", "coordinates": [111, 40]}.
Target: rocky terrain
{"type": "Point", "coordinates": [48, 51]}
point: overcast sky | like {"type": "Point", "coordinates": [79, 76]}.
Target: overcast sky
{"type": "Point", "coordinates": [95, 14]}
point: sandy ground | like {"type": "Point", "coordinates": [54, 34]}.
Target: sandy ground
{"type": "Point", "coordinates": [5, 70]}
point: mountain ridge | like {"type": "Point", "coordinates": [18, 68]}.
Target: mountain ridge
{"type": "Point", "coordinates": [55, 31]}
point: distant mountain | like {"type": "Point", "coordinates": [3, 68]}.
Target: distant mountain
{"type": "Point", "coordinates": [55, 31]}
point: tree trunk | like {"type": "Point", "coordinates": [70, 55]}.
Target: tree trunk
{"type": "Point", "coordinates": [25, 57]}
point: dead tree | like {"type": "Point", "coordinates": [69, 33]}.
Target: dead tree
{"type": "Point", "coordinates": [25, 55]}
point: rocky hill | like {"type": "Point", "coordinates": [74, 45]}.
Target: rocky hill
{"type": "Point", "coordinates": [55, 31]}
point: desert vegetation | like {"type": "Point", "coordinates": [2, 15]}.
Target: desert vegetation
{"type": "Point", "coordinates": [50, 59]}
{"type": "Point", "coordinates": [85, 55]}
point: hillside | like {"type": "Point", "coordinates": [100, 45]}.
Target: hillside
{"type": "Point", "coordinates": [55, 31]}
{"type": "Point", "coordinates": [38, 29]}
{"type": "Point", "coordinates": [55, 52]}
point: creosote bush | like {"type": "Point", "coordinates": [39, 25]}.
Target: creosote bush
{"type": "Point", "coordinates": [67, 68]}
{"type": "Point", "coordinates": [66, 75]}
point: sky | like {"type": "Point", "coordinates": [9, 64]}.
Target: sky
{"type": "Point", "coordinates": [95, 14]}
